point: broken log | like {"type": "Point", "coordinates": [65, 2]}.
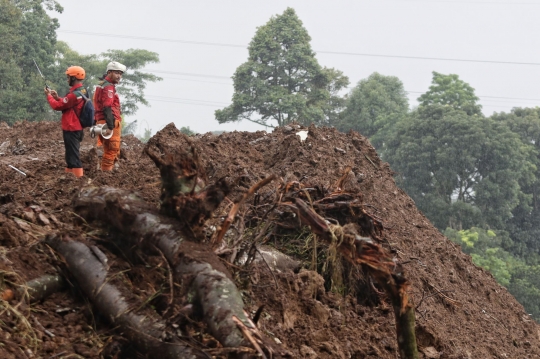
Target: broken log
{"type": "Point", "coordinates": [37, 289]}
{"type": "Point", "coordinates": [218, 295]}
{"type": "Point", "coordinates": [42, 287]}
{"type": "Point", "coordinates": [141, 330]}
{"type": "Point", "coordinates": [361, 250]}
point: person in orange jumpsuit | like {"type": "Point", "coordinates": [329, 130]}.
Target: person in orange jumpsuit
{"type": "Point", "coordinates": [71, 106]}
{"type": "Point", "coordinates": [107, 111]}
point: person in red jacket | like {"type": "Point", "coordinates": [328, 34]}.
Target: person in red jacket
{"type": "Point", "coordinates": [107, 111]}
{"type": "Point", "coordinates": [71, 106]}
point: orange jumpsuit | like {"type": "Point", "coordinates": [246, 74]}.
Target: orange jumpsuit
{"type": "Point", "coordinates": [107, 110]}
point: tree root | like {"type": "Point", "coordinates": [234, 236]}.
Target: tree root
{"type": "Point", "coordinates": [361, 250]}
{"type": "Point", "coordinates": [184, 194]}
{"type": "Point", "coordinates": [42, 287]}
{"type": "Point", "coordinates": [143, 331]}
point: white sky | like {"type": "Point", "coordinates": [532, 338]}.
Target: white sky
{"type": "Point", "coordinates": [489, 31]}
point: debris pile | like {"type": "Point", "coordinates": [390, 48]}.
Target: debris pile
{"type": "Point", "coordinates": [290, 244]}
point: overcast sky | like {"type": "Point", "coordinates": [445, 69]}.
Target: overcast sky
{"type": "Point", "coordinates": [201, 43]}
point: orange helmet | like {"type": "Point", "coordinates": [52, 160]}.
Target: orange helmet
{"type": "Point", "coordinates": [76, 71]}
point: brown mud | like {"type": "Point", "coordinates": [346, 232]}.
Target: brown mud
{"type": "Point", "coordinates": [461, 312]}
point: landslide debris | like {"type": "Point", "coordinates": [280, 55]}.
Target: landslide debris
{"type": "Point", "coordinates": [461, 312]}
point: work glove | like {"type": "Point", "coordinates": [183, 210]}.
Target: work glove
{"type": "Point", "coordinates": [109, 118]}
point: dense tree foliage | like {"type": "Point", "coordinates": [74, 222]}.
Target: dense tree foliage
{"type": "Point", "coordinates": [524, 226]}
{"type": "Point", "coordinates": [476, 178]}
{"type": "Point", "coordinates": [374, 107]}
{"type": "Point", "coordinates": [449, 90]}
{"type": "Point", "coordinates": [461, 170]}
{"type": "Point", "coordinates": [282, 80]}
{"type": "Point", "coordinates": [28, 33]}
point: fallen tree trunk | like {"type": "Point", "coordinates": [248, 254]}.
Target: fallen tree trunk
{"type": "Point", "coordinates": [218, 295]}
{"type": "Point", "coordinates": [143, 331]}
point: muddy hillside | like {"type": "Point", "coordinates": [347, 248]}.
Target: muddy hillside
{"type": "Point", "coordinates": [290, 244]}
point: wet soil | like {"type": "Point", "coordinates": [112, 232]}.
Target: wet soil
{"type": "Point", "coordinates": [461, 312]}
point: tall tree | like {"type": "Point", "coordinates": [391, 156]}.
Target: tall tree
{"type": "Point", "coordinates": [524, 226]}
{"type": "Point", "coordinates": [461, 170]}
{"type": "Point", "coordinates": [11, 81]}
{"type": "Point", "coordinates": [28, 33]}
{"type": "Point", "coordinates": [374, 106]}
{"type": "Point", "coordinates": [282, 80]}
{"type": "Point", "coordinates": [449, 90]}
{"type": "Point", "coordinates": [334, 103]}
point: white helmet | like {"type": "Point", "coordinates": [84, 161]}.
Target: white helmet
{"type": "Point", "coordinates": [116, 66]}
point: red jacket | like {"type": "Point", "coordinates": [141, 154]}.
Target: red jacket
{"type": "Point", "coordinates": [106, 96]}
{"type": "Point", "coordinates": [68, 105]}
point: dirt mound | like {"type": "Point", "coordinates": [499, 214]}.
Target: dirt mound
{"type": "Point", "coordinates": [461, 312]}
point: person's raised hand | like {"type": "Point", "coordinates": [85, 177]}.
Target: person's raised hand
{"type": "Point", "coordinates": [54, 94]}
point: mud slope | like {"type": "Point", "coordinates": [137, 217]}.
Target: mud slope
{"type": "Point", "coordinates": [461, 311]}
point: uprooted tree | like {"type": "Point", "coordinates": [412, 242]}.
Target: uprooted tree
{"type": "Point", "coordinates": [187, 234]}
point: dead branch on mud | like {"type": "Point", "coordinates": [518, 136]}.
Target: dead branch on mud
{"type": "Point", "coordinates": [142, 330]}
{"type": "Point", "coordinates": [232, 213]}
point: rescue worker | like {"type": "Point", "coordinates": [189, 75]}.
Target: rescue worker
{"type": "Point", "coordinates": [107, 111]}
{"type": "Point", "coordinates": [71, 106]}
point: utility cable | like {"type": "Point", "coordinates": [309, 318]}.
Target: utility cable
{"type": "Point", "coordinates": [319, 52]}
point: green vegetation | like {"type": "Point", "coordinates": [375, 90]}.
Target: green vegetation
{"type": "Point", "coordinates": [462, 170]}
{"type": "Point", "coordinates": [28, 34]}
{"type": "Point", "coordinates": [374, 107]}
{"type": "Point", "coordinates": [476, 178]}
{"type": "Point", "coordinates": [130, 128]}
{"type": "Point", "coordinates": [449, 90]}
{"type": "Point", "coordinates": [282, 81]}
{"type": "Point", "coordinates": [187, 131]}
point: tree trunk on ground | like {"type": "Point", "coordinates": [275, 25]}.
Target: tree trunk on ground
{"type": "Point", "coordinates": [218, 295]}
{"type": "Point", "coordinates": [144, 332]}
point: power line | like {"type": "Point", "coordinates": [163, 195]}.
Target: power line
{"type": "Point", "coordinates": [189, 99]}
{"type": "Point", "coordinates": [496, 97]}
{"type": "Point", "coordinates": [152, 38]}
{"type": "Point", "coordinates": [183, 101]}
{"type": "Point", "coordinates": [191, 80]}
{"type": "Point", "coordinates": [187, 74]}
{"type": "Point", "coordinates": [187, 103]}
{"type": "Point", "coordinates": [242, 46]}
{"type": "Point", "coordinates": [215, 104]}
{"type": "Point", "coordinates": [350, 87]}
{"type": "Point", "coordinates": [320, 52]}
{"type": "Point", "coordinates": [430, 58]}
